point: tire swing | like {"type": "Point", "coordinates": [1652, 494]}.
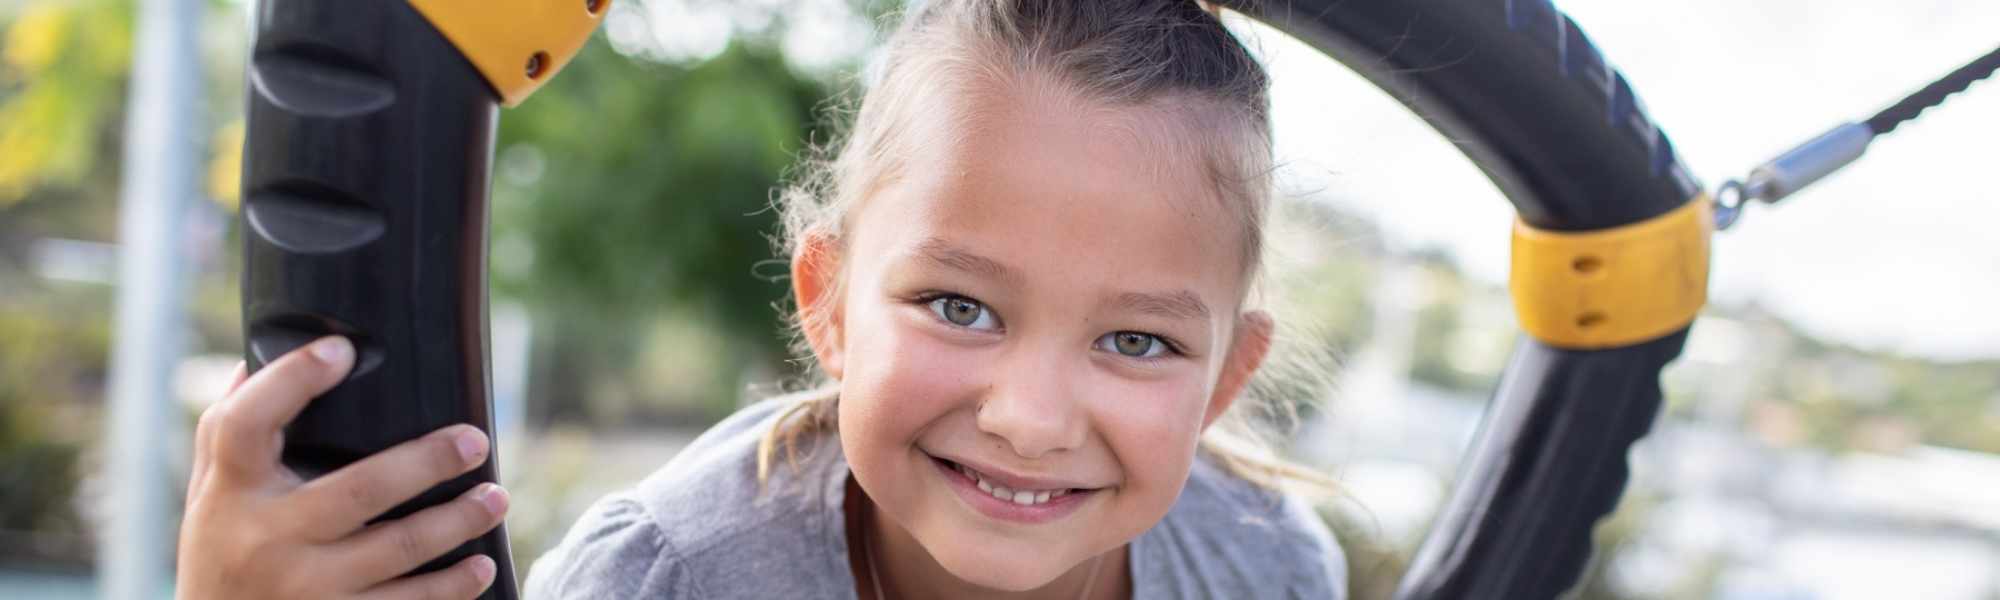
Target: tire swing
{"type": "Point", "coordinates": [369, 147]}
{"type": "Point", "coordinates": [1610, 267]}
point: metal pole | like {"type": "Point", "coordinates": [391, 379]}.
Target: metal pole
{"type": "Point", "coordinates": [159, 178]}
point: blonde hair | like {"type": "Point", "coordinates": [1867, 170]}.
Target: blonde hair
{"type": "Point", "coordinates": [1167, 57]}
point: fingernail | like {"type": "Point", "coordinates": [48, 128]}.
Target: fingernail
{"type": "Point", "coordinates": [482, 568]}
{"type": "Point", "coordinates": [471, 444]}
{"type": "Point", "coordinates": [334, 350]}
{"type": "Point", "coordinates": [494, 498]}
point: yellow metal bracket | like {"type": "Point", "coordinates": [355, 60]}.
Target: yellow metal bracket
{"type": "Point", "coordinates": [516, 44]}
{"type": "Point", "coordinates": [1613, 287]}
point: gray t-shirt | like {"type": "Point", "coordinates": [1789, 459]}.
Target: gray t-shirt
{"type": "Point", "coordinates": [702, 527]}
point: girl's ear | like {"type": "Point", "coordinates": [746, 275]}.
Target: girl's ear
{"type": "Point", "coordinates": [816, 286]}
{"type": "Point", "coordinates": [1246, 353]}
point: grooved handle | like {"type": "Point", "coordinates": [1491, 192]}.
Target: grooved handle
{"type": "Point", "coordinates": [366, 159]}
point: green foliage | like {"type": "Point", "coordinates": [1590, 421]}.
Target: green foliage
{"type": "Point", "coordinates": [52, 363]}
{"type": "Point", "coordinates": [1910, 401]}
{"type": "Point", "coordinates": [1953, 404]}
{"type": "Point", "coordinates": [1440, 329]}
{"type": "Point", "coordinates": [643, 190]}
{"type": "Point", "coordinates": [656, 183]}
{"type": "Point", "coordinates": [61, 74]}
{"type": "Point", "coordinates": [39, 472]}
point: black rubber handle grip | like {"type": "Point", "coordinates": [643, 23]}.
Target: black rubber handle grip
{"type": "Point", "coordinates": [366, 159]}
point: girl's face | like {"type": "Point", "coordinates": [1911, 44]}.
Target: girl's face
{"type": "Point", "coordinates": [1038, 318]}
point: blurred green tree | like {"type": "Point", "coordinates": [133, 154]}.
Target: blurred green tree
{"type": "Point", "coordinates": [631, 191]}
{"type": "Point", "coordinates": [62, 69]}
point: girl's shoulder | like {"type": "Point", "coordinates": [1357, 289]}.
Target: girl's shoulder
{"type": "Point", "coordinates": [1229, 538]}
{"type": "Point", "coordinates": [691, 527]}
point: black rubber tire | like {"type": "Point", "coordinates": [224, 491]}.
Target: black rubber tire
{"type": "Point", "coordinates": [1519, 87]}
{"type": "Point", "coordinates": [1525, 95]}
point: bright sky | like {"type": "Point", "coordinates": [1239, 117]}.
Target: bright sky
{"type": "Point", "coordinates": [1897, 252]}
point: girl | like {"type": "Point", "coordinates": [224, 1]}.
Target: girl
{"type": "Point", "coordinates": [1024, 277]}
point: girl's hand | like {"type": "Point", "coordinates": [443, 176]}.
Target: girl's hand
{"type": "Point", "coordinates": [255, 530]}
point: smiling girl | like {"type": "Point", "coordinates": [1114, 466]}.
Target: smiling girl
{"type": "Point", "coordinates": [1024, 278]}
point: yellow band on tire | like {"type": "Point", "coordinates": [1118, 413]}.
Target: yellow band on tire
{"type": "Point", "coordinates": [516, 44]}
{"type": "Point", "coordinates": [1612, 287]}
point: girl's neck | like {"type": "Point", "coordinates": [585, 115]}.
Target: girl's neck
{"type": "Point", "coordinates": [907, 572]}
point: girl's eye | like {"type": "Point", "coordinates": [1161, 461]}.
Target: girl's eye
{"type": "Point", "coordinates": [963, 312]}
{"type": "Point", "coordinates": [1133, 344]}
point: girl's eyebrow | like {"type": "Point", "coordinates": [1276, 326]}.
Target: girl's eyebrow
{"type": "Point", "coordinates": [950, 256]}
{"type": "Point", "coordinates": [1179, 304]}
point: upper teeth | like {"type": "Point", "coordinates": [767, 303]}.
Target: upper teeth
{"type": "Point", "coordinates": [1021, 497]}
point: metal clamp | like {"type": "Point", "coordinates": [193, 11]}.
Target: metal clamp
{"type": "Point", "coordinates": [1792, 171]}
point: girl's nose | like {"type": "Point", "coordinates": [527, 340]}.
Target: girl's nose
{"type": "Point", "coordinates": [1036, 407]}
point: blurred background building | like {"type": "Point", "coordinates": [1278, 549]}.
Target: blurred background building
{"type": "Point", "coordinates": [1833, 428]}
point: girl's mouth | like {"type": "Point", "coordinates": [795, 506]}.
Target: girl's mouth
{"type": "Point", "coordinates": [1000, 502]}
